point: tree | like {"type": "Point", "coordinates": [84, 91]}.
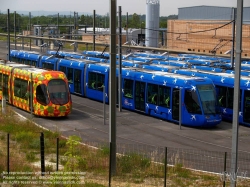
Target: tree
{"type": "Point", "coordinates": [135, 22]}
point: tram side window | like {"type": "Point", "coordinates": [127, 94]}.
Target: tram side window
{"type": "Point", "coordinates": [152, 93]}
{"type": "Point", "coordinates": [100, 81]}
{"type": "Point", "coordinates": [33, 63]}
{"type": "Point", "coordinates": [21, 88]}
{"type": "Point", "coordinates": [27, 62]}
{"type": "Point", "coordinates": [5, 84]}
{"type": "Point", "coordinates": [128, 88]}
{"type": "Point", "coordinates": [226, 96]}
{"type": "Point", "coordinates": [92, 80]}
{"type": "Point", "coordinates": [63, 69]}
{"type": "Point", "coordinates": [247, 102]}
{"type": "Point", "coordinates": [14, 59]}
{"type": "Point", "coordinates": [222, 94]}
{"type": "Point", "coordinates": [164, 96]}
{"type": "Point", "coordinates": [70, 75]}
{"type": "Point", "coordinates": [41, 94]}
{"type": "Point", "coordinates": [230, 97]}
{"type": "Point", "coordinates": [96, 81]}
{"type": "Point", "coordinates": [23, 61]}
{"type": "Point", "coordinates": [48, 66]}
{"type": "Point", "coordinates": [191, 102]}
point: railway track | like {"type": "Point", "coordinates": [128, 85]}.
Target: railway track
{"type": "Point", "coordinates": [155, 130]}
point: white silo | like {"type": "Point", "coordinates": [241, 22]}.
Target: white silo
{"type": "Point", "coordinates": [152, 23]}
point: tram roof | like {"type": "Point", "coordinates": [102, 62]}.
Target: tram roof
{"type": "Point", "coordinates": [23, 67]}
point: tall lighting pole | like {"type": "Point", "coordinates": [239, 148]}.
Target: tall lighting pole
{"type": "Point", "coordinates": [235, 125]}
{"type": "Point", "coordinates": [112, 85]}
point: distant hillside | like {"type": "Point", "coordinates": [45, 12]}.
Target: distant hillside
{"type": "Point", "coordinates": [48, 13]}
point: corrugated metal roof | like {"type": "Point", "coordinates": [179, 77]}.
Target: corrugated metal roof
{"type": "Point", "coordinates": [246, 15]}
{"type": "Point", "coordinates": [205, 6]}
{"type": "Point", "coordinates": [205, 13]}
{"type": "Point", "coordinates": [211, 13]}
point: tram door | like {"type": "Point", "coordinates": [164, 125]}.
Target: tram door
{"type": "Point", "coordinates": [175, 104]}
{"type": "Point", "coordinates": [77, 81]}
{"type": "Point", "coordinates": [246, 108]}
{"type": "Point", "coordinates": [140, 96]}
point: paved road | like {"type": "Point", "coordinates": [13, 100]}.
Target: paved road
{"type": "Point", "coordinates": [145, 132]}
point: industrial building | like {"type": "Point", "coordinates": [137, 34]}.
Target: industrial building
{"type": "Point", "coordinates": [148, 36]}
{"type": "Point", "coordinates": [207, 29]}
{"type": "Point", "coordinates": [134, 36]}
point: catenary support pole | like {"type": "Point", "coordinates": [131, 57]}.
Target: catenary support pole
{"type": "Point", "coordinates": [94, 30]}
{"type": "Point", "coordinates": [112, 84]}
{"type": "Point", "coordinates": [15, 28]}
{"type": "Point", "coordinates": [120, 58]}
{"type": "Point", "coordinates": [58, 33]}
{"type": "Point", "coordinates": [233, 37]}
{"type": "Point", "coordinates": [8, 31]}
{"type": "Point", "coordinates": [127, 28]}
{"type": "Point", "coordinates": [30, 27]}
{"type": "Point", "coordinates": [235, 125]}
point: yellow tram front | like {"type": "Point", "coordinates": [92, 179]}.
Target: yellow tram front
{"type": "Point", "coordinates": [50, 93]}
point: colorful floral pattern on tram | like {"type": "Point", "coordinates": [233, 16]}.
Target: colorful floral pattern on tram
{"type": "Point", "coordinates": [51, 109]}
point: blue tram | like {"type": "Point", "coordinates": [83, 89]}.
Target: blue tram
{"type": "Point", "coordinates": [157, 94]}
{"type": "Point", "coordinates": [151, 92]}
{"type": "Point", "coordinates": [25, 57]}
{"type": "Point", "coordinates": [224, 83]}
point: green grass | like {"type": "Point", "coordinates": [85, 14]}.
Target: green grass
{"type": "Point", "coordinates": [90, 184]}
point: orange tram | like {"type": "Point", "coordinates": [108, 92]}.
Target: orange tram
{"type": "Point", "coordinates": [42, 92]}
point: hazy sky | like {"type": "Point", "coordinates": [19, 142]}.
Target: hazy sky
{"type": "Point", "coordinates": [167, 7]}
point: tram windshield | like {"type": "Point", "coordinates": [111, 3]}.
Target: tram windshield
{"type": "Point", "coordinates": [208, 98]}
{"type": "Point", "coordinates": [58, 91]}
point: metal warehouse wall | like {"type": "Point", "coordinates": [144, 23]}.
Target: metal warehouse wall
{"type": "Point", "coordinates": [205, 13]}
{"type": "Point", "coordinates": [188, 35]}
{"type": "Point", "coordinates": [246, 15]}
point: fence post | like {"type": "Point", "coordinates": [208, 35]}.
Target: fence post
{"type": "Point", "coordinates": [165, 166]}
{"type": "Point", "coordinates": [8, 153]}
{"type": "Point", "coordinates": [110, 162]}
{"type": "Point", "coordinates": [225, 169]}
{"type": "Point", "coordinates": [42, 154]}
{"type": "Point", "coordinates": [57, 153]}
